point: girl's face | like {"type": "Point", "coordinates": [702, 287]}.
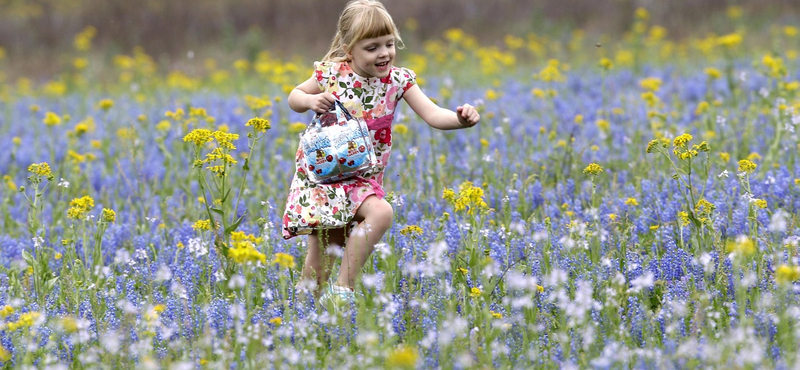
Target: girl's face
{"type": "Point", "coordinates": [373, 57]}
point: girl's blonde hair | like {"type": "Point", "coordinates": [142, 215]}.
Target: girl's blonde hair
{"type": "Point", "coordinates": [361, 19]}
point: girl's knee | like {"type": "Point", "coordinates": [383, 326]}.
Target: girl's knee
{"type": "Point", "coordinates": [382, 214]}
{"type": "Point", "coordinates": [376, 212]}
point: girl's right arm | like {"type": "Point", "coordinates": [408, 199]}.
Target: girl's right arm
{"type": "Point", "coordinates": [307, 95]}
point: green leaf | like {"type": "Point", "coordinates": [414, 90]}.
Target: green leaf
{"type": "Point", "coordinates": [367, 99]}
{"type": "Point", "coordinates": [50, 284]}
{"type": "Point", "coordinates": [235, 225]}
{"type": "Point", "coordinates": [246, 165]}
{"type": "Point", "coordinates": [224, 198]}
{"type": "Point", "coordinates": [28, 258]}
{"type": "Point", "coordinates": [217, 211]}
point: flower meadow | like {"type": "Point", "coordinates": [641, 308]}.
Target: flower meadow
{"type": "Point", "coordinates": [631, 204]}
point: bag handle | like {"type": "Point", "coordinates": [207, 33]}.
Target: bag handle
{"type": "Point", "coordinates": [337, 108]}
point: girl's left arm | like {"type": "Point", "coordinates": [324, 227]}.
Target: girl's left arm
{"type": "Point", "coordinates": [438, 117]}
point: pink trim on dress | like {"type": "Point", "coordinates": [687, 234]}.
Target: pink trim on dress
{"type": "Point", "coordinates": [380, 122]}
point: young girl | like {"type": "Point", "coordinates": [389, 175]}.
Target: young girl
{"type": "Point", "coordinates": [358, 71]}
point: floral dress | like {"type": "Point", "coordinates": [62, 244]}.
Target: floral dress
{"type": "Point", "coordinates": [326, 206]}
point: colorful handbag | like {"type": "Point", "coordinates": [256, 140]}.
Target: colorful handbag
{"type": "Point", "coordinates": [336, 146]}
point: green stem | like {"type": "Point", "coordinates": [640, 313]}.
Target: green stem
{"type": "Point", "coordinates": [246, 172]}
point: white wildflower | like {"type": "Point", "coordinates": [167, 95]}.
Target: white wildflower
{"type": "Point", "coordinates": [779, 221]}
{"type": "Point", "coordinates": [645, 281]}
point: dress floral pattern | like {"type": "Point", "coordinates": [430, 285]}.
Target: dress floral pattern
{"type": "Point", "coordinates": [313, 206]}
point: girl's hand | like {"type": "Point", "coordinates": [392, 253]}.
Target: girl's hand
{"type": "Point", "coordinates": [321, 102]}
{"type": "Point", "coordinates": [467, 115]}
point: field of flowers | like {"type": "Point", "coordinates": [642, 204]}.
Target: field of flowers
{"type": "Point", "coordinates": [627, 204]}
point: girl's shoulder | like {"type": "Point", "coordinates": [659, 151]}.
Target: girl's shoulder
{"type": "Point", "coordinates": [403, 77]}
{"type": "Point", "coordinates": [403, 73]}
{"type": "Point", "coordinates": [332, 68]}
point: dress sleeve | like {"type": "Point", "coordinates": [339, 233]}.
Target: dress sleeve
{"type": "Point", "coordinates": [406, 78]}
{"type": "Point", "coordinates": [322, 73]}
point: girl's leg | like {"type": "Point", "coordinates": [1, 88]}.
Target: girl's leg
{"type": "Point", "coordinates": [317, 267]}
{"type": "Point", "coordinates": [375, 216]}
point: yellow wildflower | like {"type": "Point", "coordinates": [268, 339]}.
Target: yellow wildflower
{"type": "Point", "coordinates": [753, 156]}
{"type": "Point", "coordinates": [244, 251]}
{"type": "Point", "coordinates": [680, 141]}
{"type": "Point", "coordinates": [10, 184]}
{"type": "Point", "coordinates": [496, 315]}
{"type": "Point", "coordinates": [703, 206]}
{"type": "Point", "coordinates": [163, 126]}
{"type": "Point", "coordinates": [650, 98]}
{"type": "Point", "coordinates": [6, 311]}
{"type": "Point", "coordinates": [642, 14]}
{"type": "Point", "coordinates": [550, 73]}
{"type": "Point", "coordinates": [606, 64]}
{"type": "Point", "coordinates": [105, 104]}
{"type": "Point", "coordinates": [259, 124]}
{"type": "Point", "coordinates": [81, 128]}
{"type": "Point", "coordinates": [603, 125]}
{"type": "Point", "coordinates": [198, 136]}
{"type": "Point", "coordinates": [241, 65]}
{"type": "Point", "coordinates": [51, 119]}
{"type": "Point", "coordinates": [712, 73]}
{"type": "Point", "coordinates": [774, 65]}
{"type": "Point", "coordinates": [403, 357]}
{"type": "Point", "coordinates": [760, 203]}
{"type": "Point", "coordinates": [410, 230]}
{"type": "Point", "coordinates": [277, 321]}
{"type": "Point", "coordinates": [79, 207]}
{"type": "Point", "coordinates": [475, 292]}
{"type": "Point", "coordinates": [730, 41]}
{"type": "Point", "coordinates": [399, 128]}
{"type": "Point", "coordinates": [202, 225]}
{"type": "Point", "coordinates": [41, 170]}
{"type": "Point", "coordinates": [787, 274]}
{"type": "Point", "coordinates": [734, 12]}
{"type": "Point", "coordinates": [747, 166]}
{"type": "Point", "coordinates": [284, 260]}
{"type": "Point", "coordinates": [297, 127]}
{"type": "Point", "coordinates": [631, 202]}
{"type": "Point", "coordinates": [702, 107]}
{"type": "Point", "coordinates": [651, 84]}
{"type": "Point", "coordinates": [593, 169]}
{"type": "Point", "coordinates": [742, 245]}
{"type": "Point", "coordinates": [26, 320]}
{"type": "Point", "coordinates": [683, 217]}
{"type": "Point", "coordinates": [108, 215]}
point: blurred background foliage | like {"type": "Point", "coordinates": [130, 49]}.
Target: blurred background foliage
{"type": "Point", "coordinates": [34, 34]}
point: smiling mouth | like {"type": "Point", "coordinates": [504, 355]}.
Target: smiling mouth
{"type": "Point", "coordinates": [384, 64]}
